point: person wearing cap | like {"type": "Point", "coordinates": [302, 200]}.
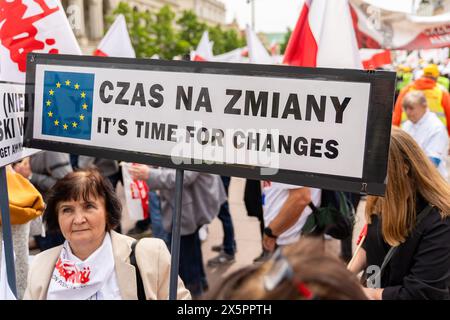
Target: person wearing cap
{"type": "Point", "coordinates": [438, 99]}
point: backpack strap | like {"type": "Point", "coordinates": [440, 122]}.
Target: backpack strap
{"type": "Point", "coordinates": [133, 262]}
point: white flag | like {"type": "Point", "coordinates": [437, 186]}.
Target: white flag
{"type": "Point", "coordinates": [204, 50]}
{"type": "Point", "coordinates": [256, 51]}
{"type": "Point", "coordinates": [116, 42]}
{"type": "Point", "coordinates": [32, 26]}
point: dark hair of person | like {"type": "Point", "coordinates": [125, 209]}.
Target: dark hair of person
{"type": "Point", "coordinates": [87, 185]}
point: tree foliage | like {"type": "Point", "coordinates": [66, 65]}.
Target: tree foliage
{"type": "Point", "coordinates": [287, 36]}
{"type": "Point", "coordinates": [162, 34]}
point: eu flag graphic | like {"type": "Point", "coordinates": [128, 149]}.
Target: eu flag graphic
{"type": "Point", "coordinates": [67, 109]}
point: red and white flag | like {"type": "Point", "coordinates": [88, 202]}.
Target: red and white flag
{"type": "Point", "coordinates": [116, 42]}
{"type": "Point", "coordinates": [237, 56]}
{"type": "Point", "coordinates": [136, 195]}
{"type": "Point", "coordinates": [256, 50]}
{"type": "Point", "coordinates": [324, 37]}
{"type": "Point", "coordinates": [375, 58]}
{"type": "Point", "coordinates": [204, 50]}
{"type": "Point", "coordinates": [397, 25]}
{"type": "Point", "coordinates": [32, 26]}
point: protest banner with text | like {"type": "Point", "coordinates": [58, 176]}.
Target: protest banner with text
{"type": "Point", "coordinates": [307, 126]}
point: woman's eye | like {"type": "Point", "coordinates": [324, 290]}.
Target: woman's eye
{"type": "Point", "coordinates": [66, 210]}
{"type": "Point", "coordinates": [90, 206]}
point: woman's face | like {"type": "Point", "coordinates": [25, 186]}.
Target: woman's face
{"type": "Point", "coordinates": [82, 222]}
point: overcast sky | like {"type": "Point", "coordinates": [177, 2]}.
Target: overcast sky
{"type": "Point", "coordinates": [270, 15]}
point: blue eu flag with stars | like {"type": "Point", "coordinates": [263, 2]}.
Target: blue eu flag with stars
{"type": "Point", "coordinates": [67, 109]}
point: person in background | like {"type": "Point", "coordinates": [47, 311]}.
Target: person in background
{"type": "Point", "coordinates": [203, 194]}
{"type": "Point", "coordinates": [25, 205]}
{"type": "Point", "coordinates": [285, 212]}
{"type": "Point", "coordinates": [227, 249]}
{"type": "Point", "coordinates": [299, 271]}
{"type": "Point", "coordinates": [94, 261]}
{"type": "Point", "coordinates": [438, 98]}
{"type": "Point", "coordinates": [426, 129]}
{"type": "Point", "coordinates": [414, 218]}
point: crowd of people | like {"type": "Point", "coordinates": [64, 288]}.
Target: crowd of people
{"type": "Point", "coordinates": [85, 255]}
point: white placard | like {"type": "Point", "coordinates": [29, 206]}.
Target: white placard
{"type": "Point", "coordinates": [12, 105]}
{"type": "Point", "coordinates": [304, 125]}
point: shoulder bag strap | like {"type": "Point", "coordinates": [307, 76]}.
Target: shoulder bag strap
{"type": "Point", "coordinates": [139, 283]}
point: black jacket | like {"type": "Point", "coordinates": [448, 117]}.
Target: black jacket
{"type": "Point", "coordinates": [420, 268]}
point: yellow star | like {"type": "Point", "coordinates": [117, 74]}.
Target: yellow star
{"type": "Point", "coordinates": [50, 114]}
{"type": "Point", "coordinates": [67, 82]}
{"type": "Point", "coordinates": [49, 103]}
{"type": "Point", "coordinates": [74, 124]}
{"type": "Point", "coordinates": [51, 92]}
{"type": "Point", "coordinates": [77, 86]}
{"type": "Point", "coordinates": [81, 117]}
{"type": "Point", "coordinates": [56, 122]}
{"type": "Point", "coordinates": [58, 84]}
{"type": "Point", "coordinates": [83, 94]}
{"type": "Point", "coordinates": [65, 126]}
{"type": "Point", "coordinates": [85, 106]}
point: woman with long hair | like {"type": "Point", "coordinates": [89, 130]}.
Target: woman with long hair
{"type": "Point", "coordinates": [414, 218]}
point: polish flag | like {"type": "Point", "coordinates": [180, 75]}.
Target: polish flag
{"type": "Point", "coordinates": [256, 50]}
{"type": "Point", "coordinates": [374, 58]}
{"type": "Point", "coordinates": [204, 50]}
{"type": "Point", "coordinates": [32, 26]}
{"type": "Point", "coordinates": [324, 37]}
{"type": "Point", "coordinates": [116, 42]}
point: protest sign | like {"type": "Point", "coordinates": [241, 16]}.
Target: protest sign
{"type": "Point", "coordinates": [12, 107]}
{"type": "Point", "coordinates": [309, 126]}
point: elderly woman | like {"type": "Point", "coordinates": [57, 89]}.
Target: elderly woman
{"type": "Point", "coordinates": [413, 218]}
{"type": "Point", "coordinates": [94, 261]}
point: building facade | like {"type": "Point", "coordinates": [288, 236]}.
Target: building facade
{"type": "Point", "coordinates": [87, 17]}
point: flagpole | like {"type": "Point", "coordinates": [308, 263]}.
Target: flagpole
{"type": "Point", "coordinates": [176, 234]}
{"type": "Point", "coordinates": [6, 229]}
{"type": "Point", "coordinates": [253, 12]}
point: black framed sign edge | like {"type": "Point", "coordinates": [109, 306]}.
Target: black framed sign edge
{"type": "Point", "coordinates": [379, 81]}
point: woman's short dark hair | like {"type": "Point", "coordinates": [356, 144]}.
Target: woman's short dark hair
{"type": "Point", "coordinates": [87, 185]}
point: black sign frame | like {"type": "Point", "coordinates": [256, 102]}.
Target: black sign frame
{"type": "Point", "coordinates": [378, 130]}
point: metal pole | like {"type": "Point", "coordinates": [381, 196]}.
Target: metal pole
{"type": "Point", "coordinates": [6, 228]}
{"type": "Point", "coordinates": [176, 234]}
{"type": "Point", "coordinates": [253, 15]}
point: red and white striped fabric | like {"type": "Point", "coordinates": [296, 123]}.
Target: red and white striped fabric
{"type": "Point", "coordinates": [116, 42]}
{"type": "Point", "coordinates": [324, 37]}
{"type": "Point", "coordinates": [204, 50]}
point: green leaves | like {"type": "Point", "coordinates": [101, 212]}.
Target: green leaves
{"type": "Point", "coordinates": [160, 33]}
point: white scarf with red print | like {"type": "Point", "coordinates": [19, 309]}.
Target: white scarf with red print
{"type": "Point", "coordinates": [91, 279]}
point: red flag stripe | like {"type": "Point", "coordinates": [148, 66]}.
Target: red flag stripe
{"type": "Point", "coordinates": [100, 53]}
{"type": "Point", "coordinates": [302, 36]}
{"type": "Point", "coordinates": [378, 60]}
